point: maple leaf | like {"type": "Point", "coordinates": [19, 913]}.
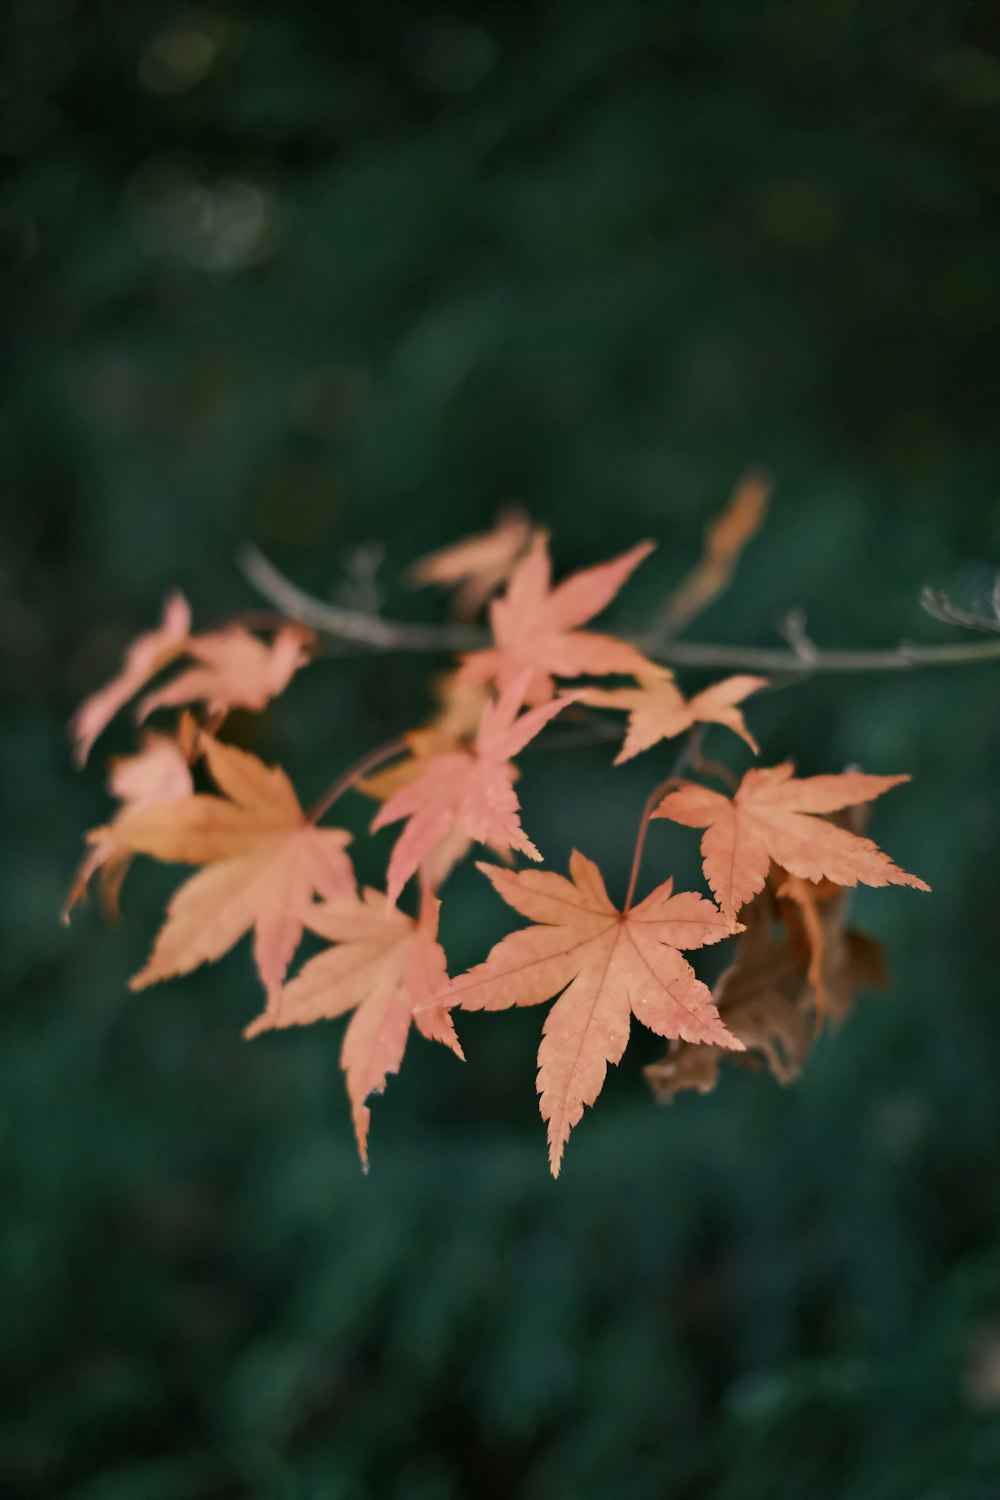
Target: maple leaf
{"type": "Point", "coordinates": [769, 818]}
{"type": "Point", "coordinates": [535, 626]}
{"type": "Point", "coordinates": [658, 710]}
{"type": "Point", "coordinates": [452, 729]}
{"type": "Point", "coordinates": [234, 670]}
{"type": "Point", "coordinates": [609, 965]}
{"type": "Point", "coordinates": [469, 793]}
{"type": "Point", "coordinates": [158, 773]}
{"type": "Point", "coordinates": [768, 993]}
{"type": "Point", "coordinates": [263, 861]}
{"type": "Point", "coordinates": [146, 656]}
{"type": "Point", "coordinates": [386, 967]}
{"type": "Point", "coordinates": [480, 565]}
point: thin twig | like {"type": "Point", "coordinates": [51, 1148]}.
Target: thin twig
{"type": "Point", "coordinates": [376, 634]}
{"type": "Point", "coordinates": [351, 624]}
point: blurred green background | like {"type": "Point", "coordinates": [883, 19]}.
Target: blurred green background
{"type": "Point", "coordinates": [341, 277]}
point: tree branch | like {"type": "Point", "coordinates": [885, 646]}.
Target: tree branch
{"type": "Point", "coordinates": [376, 634]}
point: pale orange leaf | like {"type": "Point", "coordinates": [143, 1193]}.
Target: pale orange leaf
{"type": "Point", "coordinates": [263, 859]}
{"type": "Point", "coordinates": [610, 965]}
{"type": "Point", "coordinates": [384, 965]}
{"type": "Point", "coordinates": [769, 818]}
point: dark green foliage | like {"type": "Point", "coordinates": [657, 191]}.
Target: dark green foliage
{"type": "Point", "coordinates": [329, 273]}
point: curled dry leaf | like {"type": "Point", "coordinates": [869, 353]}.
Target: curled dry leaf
{"type": "Point", "coordinates": [146, 656]}
{"type": "Point", "coordinates": [263, 861]}
{"type": "Point", "coordinates": [658, 710]}
{"type": "Point", "coordinates": [479, 566]}
{"type": "Point", "coordinates": [770, 993]}
{"type": "Point", "coordinates": [234, 670]}
{"type": "Point", "coordinates": [466, 794]}
{"type": "Point", "coordinates": [610, 965]}
{"type": "Point", "coordinates": [724, 542]}
{"type": "Point", "coordinates": [535, 626]}
{"type": "Point", "coordinates": [769, 817]}
{"type": "Point", "coordinates": [387, 968]}
{"type": "Point", "coordinates": [159, 772]}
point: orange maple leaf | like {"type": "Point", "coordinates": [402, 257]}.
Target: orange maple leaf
{"type": "Point", "coordinates": [609, 964]}
{"type": "Point", "coordinates": [480, 565]}
{"type": "Point", "coordinates": [467, 792]}
{"type": "Point", "coordinates": [658, 710]}
{"type": "Point", "coordinates": [234, 670]}
{"type": "Point", "coordinates": [146, 656]}
{"type": "Point", "coordinates": [535, 626]}
{"type": "Point", "coordinates": [384, 966]}
{"type": "Point", "coordinates": [264, 861]}
{"type": "Point", "coordinates": [768, 818]}
{"type": "Point", "coordinates": [158, 773]}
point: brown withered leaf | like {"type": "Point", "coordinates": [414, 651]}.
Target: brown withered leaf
{"type": "Point", "coordinates": [791, 952]}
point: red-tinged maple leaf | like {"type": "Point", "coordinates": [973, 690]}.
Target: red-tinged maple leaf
{"type": "Point", "coordinates": [384, 966]}
{"type": "Point", "coordinates": [452, 729]}
{"type": "Point", "coordinates": [146, 656]}
{"type": "Point", "coordinates": [264, 861]}
{"type": "Point", "coordinates": [770, 818]}
{"type": "Point", "coordinates": [610, 965]}
{"type": "Point", "coordinates": [535, 626]}
{"type": "Point", "coordinates": [467, 792]}
{"type": "Point", "coordinates": [234, 670]}
{"type": "Point", "coordinates": [480, 565]}
{"type": "Point", "coordinates": [160, 772]}
{"type": "Point", "coordinates": [658, 710]}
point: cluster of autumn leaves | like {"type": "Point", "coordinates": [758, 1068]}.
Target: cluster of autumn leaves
{"type": "Point", "coordinates": [778, 852]}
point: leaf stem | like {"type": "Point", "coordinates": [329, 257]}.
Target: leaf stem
{"type": "Point", "coordinates": [344, 783]}
{"type": "Point", "coordinates": [689, 753]}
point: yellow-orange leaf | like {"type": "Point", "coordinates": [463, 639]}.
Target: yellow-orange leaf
{"type": "Point", "coordinates": [658, 710]}
{"type": "Point", "coordinates": [609, 964]}
{"type": "Point", "coordinates": [769, 817]}
{"type": "Point", "coordinates": [263, 859]}
{"type": "Point", "coordinates": [384, 966]}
